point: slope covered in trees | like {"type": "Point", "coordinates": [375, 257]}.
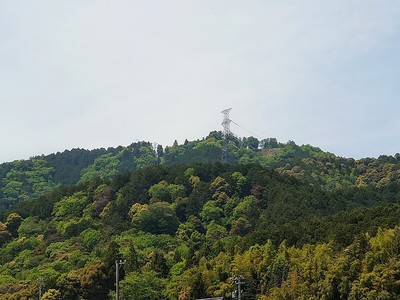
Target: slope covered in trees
{"type": "Point", "coordinates": [186, 230]}
{"type": "Point", "coordinates": [26, 179]}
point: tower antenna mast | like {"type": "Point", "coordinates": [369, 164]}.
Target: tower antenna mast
{"type": "Point", "coordinates": [227, 132]}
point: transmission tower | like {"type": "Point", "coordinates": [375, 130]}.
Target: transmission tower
{"type": "Point", "coordinates": [227, 132]}
{"type": "Point", "coordinates": [226, 122]}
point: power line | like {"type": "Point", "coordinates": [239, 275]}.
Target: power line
{"type": "Point", "coordinates": [227, 134]}
{"type": "Point", "coordinates": [254, 134]}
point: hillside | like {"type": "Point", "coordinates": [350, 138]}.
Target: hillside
{"type": "Point", "coordinates": [186, 230]}
{"type": "Point", "coordinates": [26, 179]}
{"type": "Point", "coordinates": [294, 221]}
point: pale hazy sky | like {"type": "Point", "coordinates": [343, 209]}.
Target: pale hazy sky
{"type": "Point", "coordinates": [93, 74]}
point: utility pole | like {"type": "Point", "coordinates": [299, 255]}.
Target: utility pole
{"type": "Point", "coordinates": [41, 281]}
{"type": "Point", "coordinates": [239, 280]}
{"type": "Point", "coordinates": [118, 264]}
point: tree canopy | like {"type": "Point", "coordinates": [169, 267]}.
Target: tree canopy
{"type": "Point", "coordinates": [293, 221]}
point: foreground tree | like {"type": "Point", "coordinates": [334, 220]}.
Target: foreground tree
{"type": "Point", "coordinates": [142, 286]}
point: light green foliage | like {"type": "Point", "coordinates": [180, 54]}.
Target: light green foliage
{"type": "Point", "coordinates": [26, 259]}
{"type": "Point", "coordinates": [6, 279]}
{"type": "Point", "coordinates": [246, 208]}
{"type": "Point", "coordinates": [147, 157]}
{"type": "Point", "coordinates": [73, 226]}
{"type": "Point", "coordinates": [386, 244]}
{"type": "Point", "coordinates": [195, 181]}
{"type": "Point", "coordinates": [51, 294]}
{"type": "Point", "coordinates": [207, 150]}
{"type": "Point", "coordinates": [67, 251]}
{"type": "Point", "coordinates": [142, 286]}
{"type": "Point", "coordinates": [219, 185]}
{"type": "Point", "coordinates": [31, 226]}
{"type": "Point", "coordinates": [135, 156]}
{"type": "Point", "coordinates": [163, 191]}
{"type": "Point", "coordinates": [57, 250]}
{"type": "Point", "coordinates": [23, 179]}
{"type": "Point", "coordinates": [42, 270]}
{"type": "Point", "coordinates": [189, 285]}
{"type": "Point", "coordinates": [70, 215]}
{"type": "Point", "coordinates": [208, 142]}
{"type": "Point", "coordinates": [245, 159]}
{"type": "Point", "coordinates": [158, 217]}
{"type": "Point", "coordinates": [211, 212]}
{"type": "Point", "coordinates": [177, 269]}
{"type": "Point", "coordinates": [90, 237]}
{"type": "Point", "coordinates": [13, 190]}
{"type": "Point", "coordinates": [70, 206]}
{"type": "Point", "coordinates": [147, 242]}
{"type": "Point", "coordinates": [240, 181]}
{"type": "Point", "coordinates": [215, 232]}
{"type": "Point", "coordinates": [40, 177]}
{"type": "Point", "coordinates": [106, 166]}
{"type": "Point", "coordinates": [187, 232]}
{"type": "Point", "coordinates": [17, 245]}
{"type": "Point", "coordinates": [189, 172]}
{"type": "Point", "coordinates": [27, 179]}
{"type": "Point", "coordinates": [76, 257]}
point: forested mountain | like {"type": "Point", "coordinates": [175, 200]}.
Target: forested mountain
{"type": "Point", "coordinates": [294, 221]}
{"type": "Point", "coordinates": [26, 179]}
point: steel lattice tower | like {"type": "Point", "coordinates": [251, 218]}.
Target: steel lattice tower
{"type": "Point", "coordinates": [227, 132]}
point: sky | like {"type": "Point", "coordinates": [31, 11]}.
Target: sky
{"type": "Point", "coordinates": [90, 74]}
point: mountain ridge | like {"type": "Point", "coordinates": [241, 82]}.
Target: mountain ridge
{"type": "Point", "coordinates": [24, 179]}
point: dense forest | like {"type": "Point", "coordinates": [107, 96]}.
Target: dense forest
{"type": "Point", "coordinates": [295, 222]}
{"type": "Point", "coordinates": [32, 178]}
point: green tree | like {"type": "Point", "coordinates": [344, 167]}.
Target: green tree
{"type": "Point", "coordinates": [90, 238]}
{"type": "Point", "coordinates": [158, 263]}
{"type": "Point", "coordinates": [211, 212]}
{"type": "Point", "coordinates": [31, 226]}
{"type": "Point", "coordinates": [93, 279]}
{"type": "Point", "coordinates": [5, 235]}
{"type": "Point", "coordinates": [51, 294]}
{"type": "Point", "coordinates": [165, 192]}
{"type": "Point", "coordinates": [132, 258]}
{"type": "Point", "coordinates": [13, 222]}
{"type": "Point", "coordinates": [215, 232]}
{"type": "Point", "coordinates": [158, 218]}
{"type": "Point", "coordinates": [111, 254]}
{"type": "Point", "coordinates": [104, 167]}
{"type": "Point", "coordinates": [142, 286]}
{"type": "Point", "coordinates": [71, 206]}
